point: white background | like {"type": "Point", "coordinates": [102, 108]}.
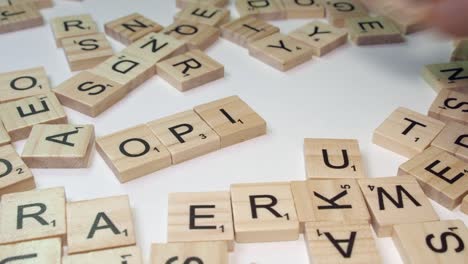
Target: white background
{"type": "Point", "coordinates": [345, 94]}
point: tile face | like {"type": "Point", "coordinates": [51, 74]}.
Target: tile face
{"type": "Point", "coordinates": [341, 243]}
{"type": "Point", "coordinates": [32, 215]}
{"type": "Point", "coordinates": [90, 94]}
{"type": "Point", "coordinates": [19, 116]}
{"type": "Point", "coordinates": [450, 106]}
{"type": "Point", "coordinates": [195, 217]}
{"type": "Point", "coordinates": [209, 15]}
{"type": "Point", "coordinates": [59, 146]}
{"type": "Point", "coordinates": [15, 176]}
{"type": "Point", "coordinates": [126, 255]}
{"type": "Point", "coordinates": [133, 152]}
{"type": "Point", "coordinates": [443, 177]}
{"type": "Point", "coordinates": [190, 70]}
{"type": "Point", "coordinates": [85, 52]}
{"type": "Point", "coordinates": [339, 10]}
{"type": "Point", "coordinates": [322, 37]}
{"type": "Point", "coordinates": [373, 30]}
{"type": "Point", "coordinates": [280, 51]}
{"type": "Point", "coordinates": [72, 26]}
{"type": "Point", "coordinates": [130, 28]}
{"type": "Point", "coordinates": [333, 158]}
{"type": "Point", "coordinates": [432, 243]}
{"type": "Point", "coordinates": [4, 137]}
{"type": "Point", "coordinates": [23, 83]}
{"type": "Point", "coordinates": [247, 29]}
{"type": "Point", "coordinates": [453, 75]}
{"type": "Point", "coordinates": [264, 212]}
{"type": "Point", "coordinates": [329, 201]}
{"type": "Point", "coordinates": [47, 251]}
{"type": "Point", "coordinates": [264, 9]}
{"type": "Point", "coordinates": [406, 132]}
{"type": "Point", "coordinates": [99, 224]}
{"type": "Point", "coordinates": [303, 9]}
{"type": "Point", "coordinates": [461, 51]}
{"type": "Point", "coordinates": [198, 252]}
{"type": "Point", "coordinates": [395, 200]}
{"type": "Point", "coordinates": [18, 17]}
{"type": "Point", "coordinates": [453, 139]}
{"type": "Point", "coordinates": [185, 135]}
{"type": "Point", "coordinates": [194, 35]}
{"type": "Point", "coordinates": [217, 3]}
{"type": "Point", "coordinates": [232, 119]}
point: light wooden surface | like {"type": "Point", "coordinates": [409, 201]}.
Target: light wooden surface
{"type": "Point", "coordinates": [189, 70]}
{"type": "Point", "coordinates": [432, 243]}
{"type": "Point", "coordinates": [185, 135]}
{"type": "Point", "coordinates": [333, 158]}
{"type": "Point", "coordinates": [373, 30]}
{"type": "Point", "coordinates": [195, 252]}
{"type": "Point", "coordinates": [59, 146]}
{"type": "Point", "coordinates": [268, 9]}
{"type": "Point", "coordinates": [303, 9]}
{"type": "Point", "coordinates": [322, 37]}
{"type": "Point", "coordinates": [19, 116]}
{"type": "Point", "coordinates": [124, 255]}
{"type": "Point", "coordinates": [329, 200]}
{"type": "Point", "coordinates": [450, 106]}
{"type": "Point", "coordinates": [130, 28]}
{"type": "Point", "coordinates": [264, 212]}
{"type": "Point", "coordinates": [195, 217]}
{"type": "Point", "coordinates": [464, 206]}
{"type": "Point", "coordinates": [395, 200]}
{"type": "Point", "coordinates": [247, 29]}
{"type": "Point", "coordinates": [232, 119]}
{"type": "Point", "coordinates": [23, 83]}
{"type": "Point", "coordinates": [329, 242]}
{"type": "Point", "coordinates": [40, 4]}
{"type": "Point", "coordinates": [33, 215]}
{"type": "Point", "coordinates": [209, 15]}
{"type": "Point", "coordinates": [99, 224]}
{"type": "Point", "coordinates": [4, 137]}
{"type": "Point", "coordinates": [133, 152]}
{"type": "Point", "coordinates": [461, 51]}
{"type": "Point", "coordinates": [338, 11]}
{"type": "Point", "coordinates": [72, 26]}
{"type": "Point", "coordinates": [47, 251]}
{"type": "Point", "coordinates": [280, 51]}
{"type": "Point", "coordinates": [450, 75]}
{"type": "Point", "coordinates": [15, 176]}
{"type": "Point", "coordinates": [453, 140]}
{"type": "Point", "coordinates": [18, 17]}
{"type": "Point", "coordinates": [443, 177]}
{"type": "Point", "coordinates": [217, 3]}
{"type": "Point", "coordinates": [407, 132]}
{"type": "Point", "coordinates": [194, 35]}
{"type": "Point", "coordinates": [84, 52]}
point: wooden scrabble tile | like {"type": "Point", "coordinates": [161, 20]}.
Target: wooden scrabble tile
{"type": "Point", "coordinates": [194, 35]}
{"type": "Point", "coordinates": [19, 116]}
{"type": "Point", "coordinates": [23, 83]}
{"type": "Point", "coordinates": [190, 70]}
{"type": "Point", "coordinates": [338, 11]}
{"type": "Point", "coordinates": [373, 30]}
{"type": "Point", "coordinates": [15, 176]}
{"type": "Point", "coordinates": [18, 17]}
{"type": "Point", "coordinates": [464, 206]}
{"type": "Point", "coordinates": [99, 224]}
{"type": "Point", "coordinates": [217, 3]}
{"type": "Point", "coordinates": [453, 140]}
{"type": "Point", "coordinates": [196, 217]}
{"type": "Point", "coordinates": [303, 9]}
{"type": "Point", "coordinates": [461, 51]}
{"type": "Point", "coordinates": [84, 52]}
{"type": "Point", "coordinates": [129, 29]}
{"type": "Point", "coordinates": [247, 29]}
{"type": "Point", "coordinates": [133, 152]}
{"type": "Point", "coordinates": [329, 242]}
{"type": "Point", "coordinates": [413, 20]}
{"type": "Point", "coordinates": [450, 106]}
{"type": "Point", "coordinates": [321, 37]}
{"type": "Point", "coordinates": [209, 15]}
{"type": "Point", "coordinates": [264, 212]}
{"type": "Point", "coordinates": [406, 132]}
{"type": "Point", "coordinates": [443, 177]}
{"type": "Point", "coordinates": [125, 255]}
{"type": "Point", "coordinates": [39, 4]}
{"type": "Point", "coordinates": [185, 135]}
{"type": "Point", "coordinates": [395, 200]}
{"type": "Point", "coordinates": [432, 243]}
{"type": "Point", "coordinates": [196, 252]}
{"type": "Point", "coordinates": [47, 251]}
{"type": "Point", "coordinates": [333, 158]}
{"type": "Point", "coordinates": [32, 215]}
{"type": "Point", "coordinates": [264, 9]}
{"type": "Point", "coordinates": [125, 69]}
{"type": "Point", "coordinates": [4, 137]}
{"type": "Point", "coordinates": [90, 94]}
{"type": "Point", "coordinates": [280, 51]}
{"type": "Point", "coordinates": [72, 26]}
{"type": "Point", "coordinates": [452, 75]}
{"type": "Point", "coordinates": [232, 119]}
{"type": "Point", "coordinates": [59, 146]}
{"type": "Point", "coordinates": [338, 200]}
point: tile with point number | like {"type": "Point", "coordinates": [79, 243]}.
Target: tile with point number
{"type": "Point", "coordinates": [19, 17]}
{"type": "Point", "coordinates": [72, 26]}
{"type": "Point", "coordinates": [450, 106]}
{"type": "Point", "coordinates": [247, 29]}
{"type": "Point", "coordinates": [373, 30]}
{"type": "Point", "coordinates": [84, 52]}
{"type": "Point", "coordinates": [123, 255]}
{"type": "Point", "coordinates": [339, 10]}
{"type": "Point", "coordinates": [210, 15]}
{"type": "Point", "coordinates": [265, 9]}
{"type": "Point", "coordinates": [196, 252]}
{"type": "Point", "coordinates": [15, 176]}
{"type": "Point", "coordinates": [194, 35]}
{"type": "Point", "coordinates": [453, 139]}
{"type": "Point", "coordinates": [452, 75]}
{"type": "Point", "coordinates": [129, 29]}
{"type": "Point", "coordinates": [47, 251]}
{"type": "Point", "coordinates": [23, 83]}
